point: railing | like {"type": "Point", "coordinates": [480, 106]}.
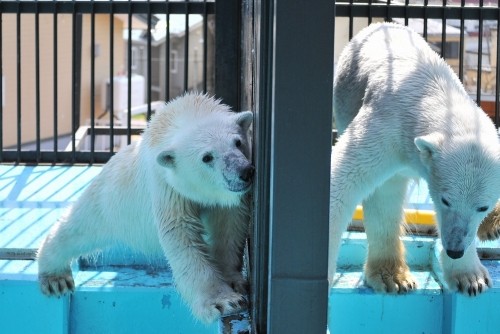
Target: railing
{"type": "Point", "coordinates": [59, 57]}
{"type": "Point", "coordinates": [464, 32]}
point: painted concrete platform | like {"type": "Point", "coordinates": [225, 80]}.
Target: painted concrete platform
{"type": "Point", "coordinates": [356, 308]}
{"type": "Point", "coordinates": [121, 292]}
{"type": "Point", "coordinates": [117, 292]}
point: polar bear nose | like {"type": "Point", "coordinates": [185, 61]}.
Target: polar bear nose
{"type": "Point", "coordinates": [455, 254]}
{"type": "Point", "coordinates": [247, 173]}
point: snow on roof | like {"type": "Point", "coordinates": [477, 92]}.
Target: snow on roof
{"type": "Point", "coordinates": [434, 27]}
{"type": "Point", "coordinates": [177, 25]}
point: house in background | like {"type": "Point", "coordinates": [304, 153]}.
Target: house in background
{"type": "Point", "coordinates": [173, 65]}
{"type": "Point", "coordinates": [46, 67]}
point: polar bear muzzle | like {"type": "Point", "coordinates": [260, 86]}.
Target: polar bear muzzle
{"type": "Point", "coordinates": [238, 174]}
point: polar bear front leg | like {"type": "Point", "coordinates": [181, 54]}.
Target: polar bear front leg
{"type": "Point", "coordinates": [386, 269]}
{"type": "Point", "coordinates": [228, 231]}
{"type": "Point", "coordinates": [466, 274]}
{"type": "Point", "coordinates": [195, 273]}
{"type": "Point", "coordinates": [68, 239]}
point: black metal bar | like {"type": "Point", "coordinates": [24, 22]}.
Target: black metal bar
{"type": "Point", "coordinates": [407, 3]}
{"type": "Point", "coordinates": [205, 44]}
{"type": "Point", "coordinates": [443, 31]}
{"type": "Point", "coordinates": [55, 84]}
{"type": "Point", "coordinates": [18, 48]}
{"type": "Point", "coordinates": [426, 3]}
{"type": "Point", "coordinates": [118, 7]}
{"type": "Point", "coordinates": [1, 87]}
{"type": "Point", "coordinates": [129, 76]}
{"type": "Point", "coordinates": [73, 80]}
{"type": "Point", "coordinates": [186, 47]}
{"type": "Point", "coordinates": [92, 84]}
{"type": "Point", "coordinates": [37, 83]}
{"type": "Point", "coordinates": [479, 57]}
{"type": "Point", "coordinates": [462, 42]}
{"type": "Point", "coordinates": [148, 60]}
{"type": "Point", "coordinates": [101, 130]}
{"type": "Point", "coordinates": [370, 15]}
{"type": "Point", "coordinates": [343, 9]}
{"type": "Point", "coordinates": [497, 70]}
{"type": "Point", "coordinates": [351, 21]}
{"type": "Point", "coordinates": [167, 58]}
{"type": "Point", "coordinates": [64, 157]}
{"type": "Point", "coordinates": [111, 79]}
{"type": "Point", "coordinates": [388, 16]}
{"type": "Point", "coordinates": [227, 56]}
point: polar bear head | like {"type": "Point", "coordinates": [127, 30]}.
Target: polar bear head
{"type": "Point", "coordinates": [463, 175]}
{"type": "Point", "coordinates": [202, 149]}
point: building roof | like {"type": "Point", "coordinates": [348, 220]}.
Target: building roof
{"type": "Point", "coordinates": [434, 27]}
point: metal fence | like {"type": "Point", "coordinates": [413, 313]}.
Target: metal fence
{"type": "Point", "coordinates": [78, 75]}
{"type": "Point", "coordinates": [464, 32]}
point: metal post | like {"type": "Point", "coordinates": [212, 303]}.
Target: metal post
{"type": "Point", "coordinates": [228, 51]}
{"type": "Point", "coordinates": [294, 79]}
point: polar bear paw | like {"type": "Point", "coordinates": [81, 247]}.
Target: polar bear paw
{"type": "Point", "coordinates": [56, 284]}
{"type": "Point", "coordinates": [389, 276]}
{"type": "Point", "coordinates": [470, 283]}
{"type": "Point", "coordinates": [225, 302]}
{"type": "Point", "coordinates": [237, 282]}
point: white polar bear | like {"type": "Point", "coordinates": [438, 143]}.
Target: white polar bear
{"type": "Point", "coordinates": [404, 114]}
{"type": "Point", "coordinates": [182, 190]}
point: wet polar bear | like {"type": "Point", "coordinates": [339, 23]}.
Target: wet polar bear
{"type": "Point", "coordinates": [189, 176]}
{"type": "Point", "coordinates": [403, 114]}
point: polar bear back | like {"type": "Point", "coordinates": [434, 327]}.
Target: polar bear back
{"type": "Point", "coordinates": [393, 71]}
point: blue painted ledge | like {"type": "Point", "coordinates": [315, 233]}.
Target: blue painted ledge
{"type": "Point", "coordinates": [117, 292]}
{"type": "Point", "coordinates": [120, 292]}
{"type": "Point", "coordinates": [355, 308]}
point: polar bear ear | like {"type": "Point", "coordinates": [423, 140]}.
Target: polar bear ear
{"type": "Point", "coordinates": [166, 159]}
{"type": "Point", "coordinates": [244, 119]}
{"type": "Point", "coordinates": [429, 145]}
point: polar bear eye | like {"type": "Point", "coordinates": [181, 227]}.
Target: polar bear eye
{"type": "Point", "coordinates": [445, 202]}
{"type": "Point", "coordinates": [237, 143]}
{"type": "Point", "coordinates": [482, 209]}
{"type": "Point", "coordinates": [207, 158]}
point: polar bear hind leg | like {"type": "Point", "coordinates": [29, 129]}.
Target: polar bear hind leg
{"type": "Point", "coordinates": [386, 269]}
{"type": "Point", "coordinates": [490, 226]}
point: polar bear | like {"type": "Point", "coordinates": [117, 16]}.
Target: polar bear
{"type": "Point", "coordinates": [403, 113]}
{"type": "Point", "coordinates": [182, 190]}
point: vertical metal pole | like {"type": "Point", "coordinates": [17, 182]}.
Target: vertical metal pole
{"type": "Point", "coordinates": [186, 47]}
{"type": "Point", "coordinates": [205, 44]}
{"type": "Point", "coordinates": [479, 55]}
{"type": "Point", "coordinates": [129, 75]}
{"type": "Point", "coordinates": [55, 41]}
{"type": "Point", "coordinates": [18, 47]}
{"type": "Point", "coordinates": [228, 51]}
{"type": "Point", "coordinates": [111, 77]}
{"type": "Point", "coordinates": [296, 99]}
{"type": "Point", "coordinates": [443, 31]}
{"type": "Point", "coordinates": [76, 69]}
{"type": "Point", "coordinates": [1, 87]}
{"type": "Point", "coordinates": [167, 56]}
{"type": "Point", "coordinates": [92, 83]}
{"type": "Point", "coordinates": [497, 70]}
{"type": "Point", "coordinates": [148, 62]}
{"type": "Point", "coordinates": [37, 82]}
{"type": "Point", "coordinates": [426, 3]}
{"type": "Point", "coordinates": [461, 57]}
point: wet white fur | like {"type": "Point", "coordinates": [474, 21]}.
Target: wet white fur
{"type": "Point", "coordinates": [182, 208]}
{"type": "Point", "coordinates": [403, 114]}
